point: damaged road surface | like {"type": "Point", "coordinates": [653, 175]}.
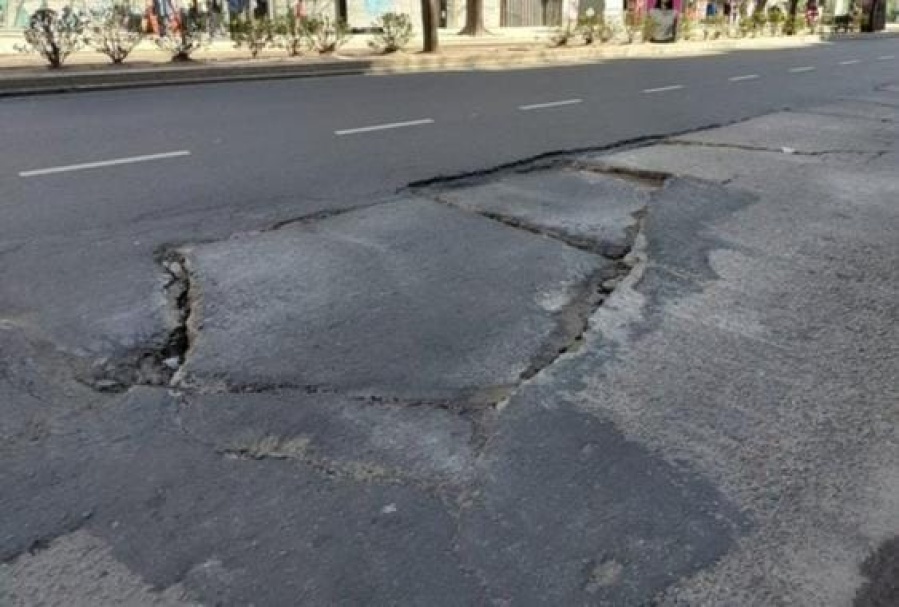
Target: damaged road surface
{"type": "Point", "coordinates": [659, 375]}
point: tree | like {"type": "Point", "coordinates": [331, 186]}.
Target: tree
{"type": "Point", "coordinates": [474, 18]}
{"type": "Point", "coordinates": [789, 25]}
{"type": "Point", "coordinates": [429, 19]}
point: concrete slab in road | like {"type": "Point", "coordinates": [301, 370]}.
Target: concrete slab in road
{"type": "Point", "coordinates": [708, 163]}
{"type": "Point", "coordinates": [860, 109]}
{"type": "Point", "coordinates": [408, 299]}
{"type": "Point", "coordinates": [590, 210]}
{"type": "Point", "coordinates": [802, 132]}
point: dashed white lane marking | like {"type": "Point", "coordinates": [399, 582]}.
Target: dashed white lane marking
{"type": "Point", "coordinates": [886, 57]}
{"type": "Point", "coordinates": [384, 127]}
{"type": "Point", "coordinates": [103, 163]}
{"type": "Point", "coordinates": [540, 106]}
{"type": "Point", "coordinates": [850, 62]}
{"type": "Point", "coordinates": [664, 89]}
{"type": "Point", "coordinates": [799, 70]}
{"type": "Point", "coordinates": [742, 78]}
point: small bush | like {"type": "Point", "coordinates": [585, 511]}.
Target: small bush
{"type": "Point", "coordinates": [593, 27]}
{"type": "Point", "coordinates": [393, 32]}
{"type": "Point", "coordinates": [714, 27]}
{"type": "Point", "coordinates": [633, 23]}
{"type": "Point", "coordinates": [55, 35]}
{"type": "Point", "coordinates": [775, 18]}
{"type": "Point", "coordinates": [649, 28]}
{"type": "Point", "coordinates": [255, 34]}
{"type": "Point", "coordinates": [324, 34]}
{"type": "Point", "coordinates": [114, 32]}
{"type": "Point", "coordinates": [758, 21]}
{"type": "Point", "coordinates": [685, 27]}
{"type": "Point", "coordinates": [563, 35]}
{"type": "Point", "coordinates": [289, 34]}
{"type": "Point", "coordinates": [186, 34]}
{"type": "Point", "coordinates": [799, 26]}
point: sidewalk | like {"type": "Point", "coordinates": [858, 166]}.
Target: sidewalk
{"type": "Point", "coordinates": [147, 66]}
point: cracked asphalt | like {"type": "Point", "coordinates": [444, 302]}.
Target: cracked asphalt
{"type": "Point", "coordinates": [655, 374]}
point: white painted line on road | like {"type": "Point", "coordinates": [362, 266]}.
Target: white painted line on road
{"type": "Point", "coordinates": [384, 127]}
{"type": "Point", "coordinates": [886, 57]}
{"type": "Point", "coordinates": [799, 70]}
{"type": "Point", "coordinates": [850, 62]}
{"type": "Point", "coordinates": [742, 78]}
{"type": "Point", "coordinates": [103, 163]}
{"type": "Point", "coordinates": [540, 106]}
{"type": "Point", "coordinates": [663, 89]}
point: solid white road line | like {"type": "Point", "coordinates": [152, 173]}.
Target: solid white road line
{"type": "Point", "coordinates": [663, 89]}
{"type": "Point", "coordinates": [742, 78]}
{"type": "Point", "coordinates": [104, 163]}
{"type": "Point", "coordinates": [384, 127]}
{"type": "Point", "coordinates": [799, 70]}
{"type": "Point", "coordinates": [540, 106]}
{"type": "Point", "coordinates": [850, 62]}
{"type": "Point", "coordinates": [886, 57]}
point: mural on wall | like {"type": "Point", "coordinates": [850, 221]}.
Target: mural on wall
{"type": "Point", "coordinates": [376, 8]}
{"type": "Point", "coordinates": [363, 13]}
{"type": "Point", "coordinates": [24, 10]}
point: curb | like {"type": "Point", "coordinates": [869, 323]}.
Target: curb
{"type": "Point", "coordinates": [202, 73]}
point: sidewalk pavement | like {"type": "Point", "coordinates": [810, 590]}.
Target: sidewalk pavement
{"type": "Point", "coordinates": [663, 375]}
{"type": "Point", "coordinates": [26, 74]}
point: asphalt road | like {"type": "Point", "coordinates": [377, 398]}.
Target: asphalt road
{"type": "Point", "coordinates": [559, 387]}
{"type": "Point", "coordinates": [258, 144]}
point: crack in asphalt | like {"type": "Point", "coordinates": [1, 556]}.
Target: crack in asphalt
{"type": "Point", "coordinates": [582, 243]}
{"type": "Point", "coordinates": [301, 450]}
{"type": "Point", "coordinates": [544, 161]}
{"type": "Point", "coordinates": [782, 150]}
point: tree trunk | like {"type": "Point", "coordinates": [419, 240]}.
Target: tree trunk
{"type": "Point", "coordinates": [429, 20]}
{"type": "Point", "coordinates": [789, 28]}
{"type": "Point", "coordinates": [474, 19]}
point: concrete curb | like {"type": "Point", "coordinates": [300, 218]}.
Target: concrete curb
{"type": "Point", "coordinates": [32, 82]}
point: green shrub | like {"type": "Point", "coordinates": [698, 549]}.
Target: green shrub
{"type": "Point", "coordinates": [563, 35]}
{"type": "Point", "coordinates": [324, 34]}
{"type": "Point", "coordinates": [393, 32]}
{"type": "Point", "coordinates": [55, 35]}
{"type": "Point", "coordinates": [114, 32]}
{"type": "Point", "coordinates": [255, 34]}
{"type": "Point", "coordinates": [793, 26]}
{"type": "Point", "coordinates": [184, 37]}
{"type": "Point", "coordinates": [685, 27]}
{"type": "Point", "coordinates": [633, 24]}
{"type": "Point", "coordinates": [775, 18]}
{"type": "Point", "coordinates": [593, 27]}
{"type": "Point", "coordinates": [759, 20]}
{"type": "Point", "coordinates": [714, 27]}
{"type": "Point", "coordinates": [648, 29]}
{"type": "Point", "coordinates": [289, 34]}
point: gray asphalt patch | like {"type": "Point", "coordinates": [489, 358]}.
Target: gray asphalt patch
{"type": "Point", "coordinates": [596, 212]}
{"type": "Point", "coordinates": [425, 445]}
{"type": "Point", "coordinates": [802, 132]}
{"type": "Point", "coordinates": [410, 299]}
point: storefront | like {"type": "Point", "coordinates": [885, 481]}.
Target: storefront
{"type": "Point", "coordinates": [359, 14]}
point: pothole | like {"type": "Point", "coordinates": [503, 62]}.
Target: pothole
{"type": "Point", "coordinates": [147, 365]}
{"type": "Point", "coordinates": [410, 300]}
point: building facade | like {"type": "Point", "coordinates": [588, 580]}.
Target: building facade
{"type": "Point", "coordinates": [360, 14]}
